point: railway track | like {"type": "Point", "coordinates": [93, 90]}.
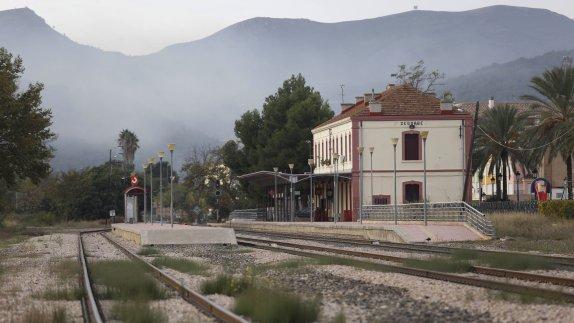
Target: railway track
{"type": "Point", "coordinates": [312, 251]}
{"type": "Point", "coordinates": [93, 309]}
{"type": "Point", "coordinates": [413, 247]}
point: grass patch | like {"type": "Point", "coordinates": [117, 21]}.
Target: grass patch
{"type": "Point", "coordinates": [35, 315]}
{"type": "Point", "coordinates": [226, 285]}
{"type": "Point", "coordinates": [266, 305]}
{"type": "Point", "coordinates": [149, 251]}
{"type": "Point", "coordinates": [65, 294]}
{"type": "Point", "coordinates": [440, 264]}
{"type": "Point", "coordinates": [181, 265]}
{"type": "Point", "coordinates": [66, 269]}
{"type": "Point", "coordinates": [137, 312]}
{"type": "Point", "coordinates": [535, 232]}
{"type": "Point", "coordinates": [521, 298]}
{"type": "Point", "coordinates": [339, 318]}
{"type": "Point", "coordinates": [126, 280]}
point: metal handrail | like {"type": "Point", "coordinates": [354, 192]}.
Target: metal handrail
{"type": "Point", "coordinates": [436, 211]}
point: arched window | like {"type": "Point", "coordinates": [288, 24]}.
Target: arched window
{"type": "Point", "coordinates": [412, 145]}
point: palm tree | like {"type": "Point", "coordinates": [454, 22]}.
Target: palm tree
{"type": "Point", "coordinates": [555, 102]}
{"type": "Point", "coordinates": [128, 142]}
{"type": "Point", "coordinates": [498, 143]}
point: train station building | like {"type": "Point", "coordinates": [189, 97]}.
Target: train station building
{"type": "Point", "coordinates": [399, 133]}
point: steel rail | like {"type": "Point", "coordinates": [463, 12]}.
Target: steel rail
{"type": "Point", "coordinates": [188, 295]}
{"type": "Point", "coordinates": [93, 311]}
{"type": "Point", "coordinates": [478, 282]}
{"type": "Point", "coordinates": [556, 260]}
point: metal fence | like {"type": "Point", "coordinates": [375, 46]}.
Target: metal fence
{"type": "Point", "coordinates": [436, 212]}
{"type": "Point", "coordinates": [249, 215]}
{"type": "Point", "coordinates": [507, 206]}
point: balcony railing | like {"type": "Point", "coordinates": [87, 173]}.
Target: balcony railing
{"type": "Point", "coordinates": [436, 212]}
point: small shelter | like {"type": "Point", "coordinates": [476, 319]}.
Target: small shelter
{"type": "Point", "coordinates": [131, 205]}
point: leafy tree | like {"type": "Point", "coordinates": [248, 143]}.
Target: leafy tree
{"type": "Point", "coordinates": [24, 126]}
{"type": "Point", "coordinates": [499, 141]}
{"type": "Point", "coordinates": [205, 174]}
{"type": "Point", "coordinates": [418, 77]}
{"type": "Point", "coordinates": [281, 133]}
{"type": "Point", "coordinates": [555, 101]}
{"type": "Point", "coordinates": [128, 142]}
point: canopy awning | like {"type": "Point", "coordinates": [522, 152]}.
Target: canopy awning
{"type": "Point", "coordinates": [267, 178]}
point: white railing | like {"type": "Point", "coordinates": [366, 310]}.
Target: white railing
{"type": "Point", "coordinates": [436, 212]}
{"type": "Point", "coordinates": [248, 215]}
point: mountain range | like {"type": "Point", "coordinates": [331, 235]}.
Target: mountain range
{"type": "Point", "coordinates": [190, 93]}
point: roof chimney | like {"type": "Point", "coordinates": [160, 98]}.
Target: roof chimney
{"type": "Point", "coordinates": [375, 107]}
{"type": "Point", "coordinates": [358, 98]}
{"type": "Point", "coordinates": [390, 85]}
{"type": "Point", "coordinates": [491, 102]}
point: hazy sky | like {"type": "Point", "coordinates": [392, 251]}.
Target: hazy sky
{"type": "Point", "coordinates": [143, 26]}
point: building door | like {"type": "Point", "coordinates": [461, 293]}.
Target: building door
{"type": "Point", "coordinates": [412, 192]}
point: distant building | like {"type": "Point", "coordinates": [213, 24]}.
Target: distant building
{"type": "Point", "coordinates": [371, 122]}
{"type": "Point", "coordinates": [552, 170]}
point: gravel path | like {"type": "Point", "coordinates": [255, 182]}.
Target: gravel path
{"type": "Point", "coordinates": [28, 274]}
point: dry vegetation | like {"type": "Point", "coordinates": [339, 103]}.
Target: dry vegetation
{"type": "Point", "coordinates": [525, 232]}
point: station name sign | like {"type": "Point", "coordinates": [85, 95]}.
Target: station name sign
{"type": "Point", "coordinates": [411, 123]}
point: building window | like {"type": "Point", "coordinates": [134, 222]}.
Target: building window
{"type": "Point", "coordinates": [350, 148]}
{"type": "Point", "coordinates": [411, 145]}
{"type": "Point", "coordinates": [412, 192]}
{"type": "Point", "coordinates": [381, 199]}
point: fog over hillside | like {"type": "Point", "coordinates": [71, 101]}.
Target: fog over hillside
{"type": "Point", "coordinates": [191, 93]}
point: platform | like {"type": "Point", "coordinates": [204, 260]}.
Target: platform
{"type": "Point", "coordinates": [155, 234]}
{"type": "Point", "coordinates": [374, 230]}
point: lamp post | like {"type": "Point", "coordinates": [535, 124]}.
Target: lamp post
{"type": "Point", "coordinates": [311, 163]}
{"type": "Point", "coordinates": [336, 188]}
{"type": "Point", "coordinates": [361, 149]}
{"type": "Point", "coordinates": [498, 189]}
{"type": "Point", "coordinates": [160, 154]}
{"type": "Point", "coordinates": [517, 187]}
{"type": "Point", "coordinates": [492, 179]}
{"type": "Point", "coordinates": [145, 193]}
{"type": "Point", "coordinates": [150, 162]}
{"type": "Point", "coordinates": [291, 204]}
{"type": "Point", "coordinates": [275, 169]}
{"type": "Point", "coordinates": [371, 150]}
{"type": "Point", "coordinates": [480, 187]}
{"type": "Point", "coordinates": [171, 148]}
{"type": "Point", "coordinates": [395, 141]}
{"type": "Point", "coordinates": [424, 136]}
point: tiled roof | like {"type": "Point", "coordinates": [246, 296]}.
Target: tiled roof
{"type": "Point", "coordinates": [396, 100]}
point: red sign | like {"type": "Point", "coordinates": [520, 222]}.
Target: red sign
{"type": "Point", "coordinates": [134, 180]}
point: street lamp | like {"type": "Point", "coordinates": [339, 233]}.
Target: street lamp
{"type": "Point", "coordinates": [517, 187]}
{"type": "Point", "coordinates": [160, 154]}
{"type": "Point", "coordinates": [424, 136]}
{"type": "Point", "coordinates": [498, 188]}
{"type": "Point", "coordinates": [275, 169]}
{"type": "Point", "coordinates": [171, 148]}
{"type": "Point", "coordinates": [291, 204]}
{"type": "Point", "coordinates": [395, 141]}
{"type": "Point", "coordinates": [371, 150]}
{"type": "Point", "coordinates": [145, 192]}
{"type": "Point", "coordinates": [492, 182]}
{"type": "Point", "coordinates": [480, 187]}
{"type": "Point", "coordinates": [336, 187]}
{"type": "Point", "coordinates": [361, 149]}
{"type": "Point", "coordinates": [311, 163]}
{"type": "Point", "coordinates": [151, 162]}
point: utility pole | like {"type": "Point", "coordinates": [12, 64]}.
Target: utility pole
{"type": "Point", "coordinates": [467, 172]}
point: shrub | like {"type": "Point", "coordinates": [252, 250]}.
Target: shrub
{"type": "Point", "coordinates": [181, 265]}
{"type": "Point", "coordinates": [149, 251]}
{"type": "Point", "coordinates": [126, 280]}
{"type": "Point", "coordinates": [137, 312]}
{"type": "Point", "coordinates": [226, 285]}
{"type": "Point", "coordinates": [272, 306]}
{"type": "Point", "coordinates": [557, 208]}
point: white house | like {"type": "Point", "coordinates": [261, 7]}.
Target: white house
{"type": "Point", "coordinates": [369, 125]}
